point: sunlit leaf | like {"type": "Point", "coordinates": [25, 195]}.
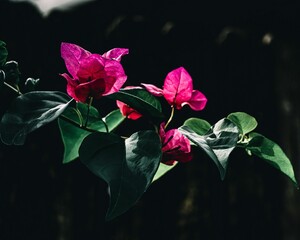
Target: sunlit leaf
{"type": "Point", "coordinates": [218, 142]}
{"type": "Point", "coordinates": [113, 119]}
{"type": "Point", "coordinates": [162, 170]}
{"type": "Point", "coordinates": [244, 121]}
{"type": "Point", "coordinates": [199, 126]}
{"type": "Point", "coordinates": [127, 166]}
{"type": "Point", "coordinates": [29, 112]}
{"type": "Point", "coordinates": [269, 151]}
{"type": "Point", "coordinates": [141, 101]}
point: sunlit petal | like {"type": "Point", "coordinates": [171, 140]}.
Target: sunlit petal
{"type": "Point", "coordinates": [155, 91]}
{"type": "Point", "coordinates": [198, 101]}
{"type": "Point", "coordinates": [178, 87]}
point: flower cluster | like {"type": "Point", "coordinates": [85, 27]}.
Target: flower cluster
{"type": "Point", "coordinates": [94, 76]}
{"type": "Point", "coordinates": [128, 164]}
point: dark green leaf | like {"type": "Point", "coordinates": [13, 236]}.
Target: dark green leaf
{"type": "Point", "coordinates": [12, 73]}
{"type": "Point", "coordinates": [218, 142]}
{"type": "Point", "coordinates": [127, 167]}
{"type": "Point", "coordinates": [3, 53]}
{"type": "Point", "coordinates": [244, 121]}
{"type": "Point", "coordinates": [198, 125]}
{"type": "Point", "coordinates": [29, 112]}
{"type": "Point", "coordinates": [272, 153]}
{"type": "Point", "coordinates": [73, 135]}
{"type": "Point", "coordinates": [30, 84]}
{"type": "Point", "coordinates": [142, 101]}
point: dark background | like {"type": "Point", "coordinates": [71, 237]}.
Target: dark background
{"type": "Point", "coordinates": [223, 46]}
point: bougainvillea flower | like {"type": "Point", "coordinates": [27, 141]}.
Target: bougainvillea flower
{"type": "Point", "coordinates": [178, 90]}
{"type": "Point", "coordinates": [175, 146]}
{"type": "Point", "coordinates": [128, 111]}
{"type": "Point", "coordinates": [92, 75]}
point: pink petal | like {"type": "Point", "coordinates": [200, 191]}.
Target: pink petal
{"type": "Point", "coordinates": [178, 87]}
{"type": "Point", "coordinates": [72, 55]}
{"type": "Point", "coordinates": [174, 139]}
{"type": "Point", "coordinates": [91, 68]}
{"type": "Point", "coordinates": [197, 102]}
{"type": "Point", "coordinates": [116, 54]}
{"type": "Point", "coordinates": [155, 91]}
{"type": "Point", "coordinates": [162, 133]}
{"type": "Point", "coordinates": [115, 76]}
{"type": "Point", "coordinates": [176, 147]}
{"type": "Point", "coordinates": [128, 111]}
{"type": "Point", "coordinates": [71, 85]}
{"type": "Point", "coordinates": [82, 92]}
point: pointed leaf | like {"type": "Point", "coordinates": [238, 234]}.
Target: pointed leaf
{"type": "Point", "coordinates": [162, 170]}
{"type": "Point", "coordinates": [127, 167]}
{"type": "Point", "coordinates": [29, 112]}
{"type": "Point", "coordinates": [268, 150]}
{"type": "Point", "coordinates": [199, 126]}
{"type": "Point", "coordinates": [72, 134]}
{"type": "Point", "coordinates": [244, 121]}
{"type": "Point", "coordinates": [218, 142]}
{"type": "Point", "coordinates": [141, 101]}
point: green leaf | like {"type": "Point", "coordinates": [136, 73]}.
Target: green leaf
{"type": "Point", "coordinates": [162, 170]}
{"type": "Point", "coordinates": [141, 101]}
{"type": "Point", "coordinates": [128, 167]}
{"type": "Point", "coordinates": [114, 119]}
{"type": "Point", "coordinates": [72, 134]}
{"type": "Point", "coordinates": [268, 150]}
{"type": "Point", "coordinates": [29, 112]}
{"type": "Point", "coordinates": [12, 73]}
{"type": "Point", "coordinates": [199, 126]}
{"type": "Point", "coordinates": [218, 142]}
{"type": "Point", "coordinates": [244, 121]}
{"type": "Point", "coordinates": [30, 84]}
{"type": "Point", "coordinates": [3, 53]}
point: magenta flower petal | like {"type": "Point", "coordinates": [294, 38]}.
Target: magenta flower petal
{"type": "Point", "coordinates": [91, 68]}
{"type": "Point", "coordinates": [81, 92]}
{"type": "Point", "coordinates": [178, 90]}
{"type": "Point", "coordinates": [155, 91]}
{"type": "Point", "coordinates": [175, 146]}
{"type": "Point", "coordinates": [116, 54]}
{"type": "Point", "coordinates": [178, 87]}
{"type": "Point", "coordinates": [176, 140]}
{"type": "Point", "coordinates": [115, 76]}
{"type": "Point", "coordinates": [128, 111]}
{"type": "Point", "coordinates": [197, 102]}
{"type": "Point", "coordinates": [72, 55]}
{"type": "Point", "coordinates": [93, 75]}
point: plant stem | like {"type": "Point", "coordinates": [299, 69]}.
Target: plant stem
{"type": "Point", "coordinates": [88, 111]}
{"type": "Point", "coordinates": [76, 124]}
{"type": "Point", "coordinates": [12, 88]}
{"type": "Point", "coordinates": [171, 116]}
{"type": "Point", "coordinates": [79, 115]}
